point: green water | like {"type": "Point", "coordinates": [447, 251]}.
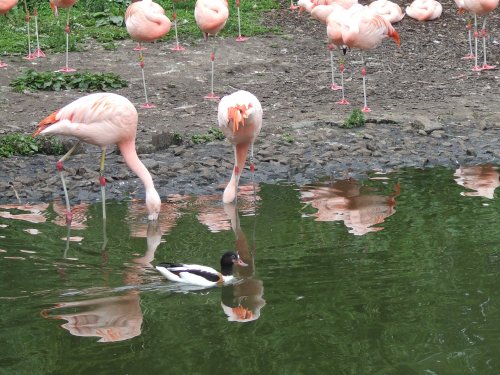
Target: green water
{"type": "Point", "coordinates": [404, 280]}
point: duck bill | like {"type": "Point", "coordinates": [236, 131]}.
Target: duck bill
{"type": "Point", "coordinates": [240, 263]}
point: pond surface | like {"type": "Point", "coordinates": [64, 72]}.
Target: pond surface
{"type": "Point", "coordinates": [396, 274]}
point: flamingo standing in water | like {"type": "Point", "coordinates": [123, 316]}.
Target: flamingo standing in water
{"type": "Point", "coordinates": [366, 30]}
{"type": "Point", "coordinates": [479, 8]}
{"type": "Point", "coordinates": [5, 6]}
{"type": "Point", "coordinates": [240, 118]}
{"type": "Point", "coordinates": [211, 17]}
{"type": "Point", "coordinates": [146, 22]}
{"type": "Point", "coordinates": [55, 4]}
{"type": "Point", "coordinates": [102, 119]}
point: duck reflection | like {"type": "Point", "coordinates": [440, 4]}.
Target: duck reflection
{"type": "Point", "coordinates": [242, 301]}
{"type": "Point", "coordinates": [114, 318]}
{"type": "Point", "coordinates": [483, 179]}
{"type": "Point", "coordinates": [345, 200]}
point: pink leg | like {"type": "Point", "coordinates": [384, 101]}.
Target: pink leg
{"type": "Point", "coordinates": [476, 67]}
{"type": "Point", "coordinates": [469, 31]}
{"type": "Point", "coordinates": [178, 46]}
{"type": "Point", "coordinates": [66, 68]}
{"type": "Point", "coordinates": [147, 104]}
{"type": "Point", "coordinates": [30, 55]}
{"type": "Point", "coordinates": [365, 107]}
{"type": "Point", "coordinates": [342, 101]}
{"type": "Point", "coordinates": [333, 86]}
{"type": "Point", "coordinates": [240, 37]}
{"type": "Point", "coordinates": [38, 52]}
{"type": "Point", "coordinates": [211, 95]}
{"type": "Point", "coordinates": [483, 33]}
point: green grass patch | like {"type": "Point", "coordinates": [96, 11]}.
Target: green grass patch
{"type": "Point", "coordinates": [213, 134]}
{"type": "Point", "coordinates": [103, 21]}
{"type": "Point", "coordinates": [32, 80]}
{"type": "Point", "coordinates": [23, 144]}
{"type": "Point", "coordinates": [355, 119]}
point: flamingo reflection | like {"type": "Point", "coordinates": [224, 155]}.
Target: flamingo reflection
{"type": "Point", "coordinates": [345, 200]}
{"type": "Point", "coordinates": [215, 217]}
{"type": "Point", "coordinates": [114, 318]}
{"type": "Point", "coordinates": [483, 179]}
{"type": "Point", "coordinates": [242, 302]}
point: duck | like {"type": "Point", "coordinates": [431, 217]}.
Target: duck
{"type": "Point", "coordinates": [195, 274]}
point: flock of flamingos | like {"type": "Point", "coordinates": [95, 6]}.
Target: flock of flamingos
{"type": "Point", "coordinates": [105, 119]}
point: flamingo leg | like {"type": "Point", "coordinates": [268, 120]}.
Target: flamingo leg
{"type": "Point", "coordinates": [67, 30]}
{"type": "Point", "coordinates": [38, 52]}
{"type": "Point", "coordinates": [102, 181]}
{"type": "Point", "coordinates": [342, 68]}
{"type": "Point", "coordinates": [469, 31]}
{"type": "Point", "coordinates": [240, 37]}
{"type": "Point", "coordinates": [363, 73]}
{"type": "Point", "coordinates": [177, 47]}
{"type": "Point", "coordinates": [147, 104]}
{"type": "Point", "coordinates": [60, 168]}
{"type": "Point", "coordinates": [30, 55]}
{"type": "Point", "coordinates": [476, 67]}
{"type": "Point", "coordinates": [483, 33]}
{"type": "Point", "coordinates": [212, 95]}
{"type": "Point", "coordinates": [252, 169]}
{"type": "Point", "coordinates": [333, 86]}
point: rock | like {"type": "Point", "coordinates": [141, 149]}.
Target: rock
{"type": "Point", "coordinates": [426, 124]}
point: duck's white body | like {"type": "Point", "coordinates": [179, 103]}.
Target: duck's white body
{"type": "Point", "coordinates": [193, 274]}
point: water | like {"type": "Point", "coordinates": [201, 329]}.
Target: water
{"type": "Point", "coordinates": [397, 274]}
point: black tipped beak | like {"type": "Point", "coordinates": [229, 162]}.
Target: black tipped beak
{"type": "Point", "coordinates": [344, 50]}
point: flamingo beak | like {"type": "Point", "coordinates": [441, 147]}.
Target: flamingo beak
{"type": "Point", "coordinates": [237, 114]}
{"type": "Point", "coordinates": [461, 11]}
{"type": "Point", "coordinates": [395, 36]}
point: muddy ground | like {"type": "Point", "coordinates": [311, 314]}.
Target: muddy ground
{"type": "Point", "coordinates": [428, 109]}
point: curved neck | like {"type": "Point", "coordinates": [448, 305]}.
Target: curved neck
{"type": "Point", "coordinates": [129, 153]}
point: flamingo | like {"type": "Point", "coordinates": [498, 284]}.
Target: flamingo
{"type": "Point", "coordinates": [479, 8]}
{"type": "Point", "coordinates": [387, 9]}
{"type": "Point", "coordinates": [366, 30]}
{"type": "Point", "coordinates": [102, 119]}
{"type": "Point", "coordinates": [5, 6]}
{"type": "Point", "coordinates": [55, 4]}
{"type": "Point", "coordinates": [240, 37]}
{"type": "Point", "coordinates": [27, 18]}
{"type": "Point", "coordinates": [424, 10]}
{"type": "Point", "coordinates": [306, 5]}
{"type": "Point", "coordinates": [240, 118]}
{"type": "Point", "coordinates": [178, 46]}
{"type": "Point", "coordinates": [146, 21]}
{"type": "Point", "coordinates": [211, 17]}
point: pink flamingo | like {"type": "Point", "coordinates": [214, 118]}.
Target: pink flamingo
{"type": "Point", "coordinates": [240, 118]}
{"type": "Point", "coordinates": [387, 9]}
{"type": "Point", "coordinates": [366, 30]}
{"type": "Point", "coordinates": [211, 17]}
{"type": "Point", "coordinates": [480, 8]}
{"type": "Point", "coordinates": [178, 46]}
{"type": "Point", "coordinates": [424, 10]}
{"type": "Point", "coordinates": [102, 119]}
{"type": "Point", "coordinates": [5, 6]}
{"type": "Point", "coordinates": [146, 22]}
{"type": "Point", "coordinates": [55, 4]}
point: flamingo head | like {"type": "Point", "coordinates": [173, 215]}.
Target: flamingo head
{"type": "Point", "coordinates": [45, 123]}
{"type": "Point", "coordinates": [237, 114]}
{"type": "Point", "coordinates": [153, 204]}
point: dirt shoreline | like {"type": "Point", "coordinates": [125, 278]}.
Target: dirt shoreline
{"type": "Point", "coordinates": [429, 109]}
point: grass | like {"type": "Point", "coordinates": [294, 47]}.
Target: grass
{"type": "Point", "coordinates": [355, 119]}
{"type": "Point", "coordinates": [56, 81]}
{"type": "Point", "coordinates": [102, 20]}
{"type": "Point", "coordinates": [23, 144]}
{"type": "Point", "coordinates": [213, 134]}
